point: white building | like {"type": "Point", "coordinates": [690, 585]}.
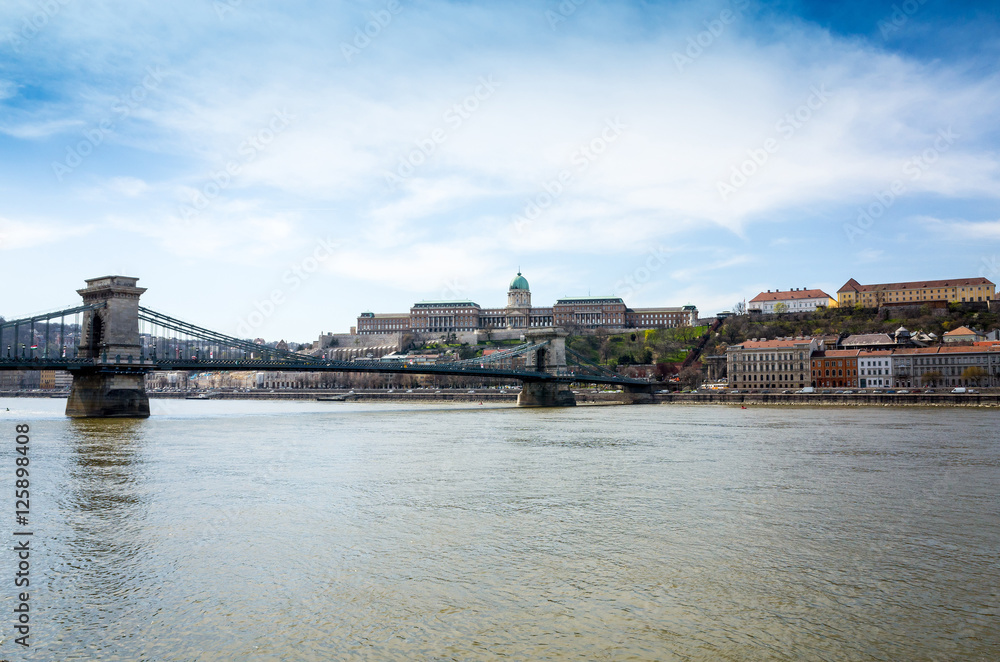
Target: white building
{"type": "Point", "coordinates": [875, 369]}
{"type": "Point", "coordinates": [793, 301]}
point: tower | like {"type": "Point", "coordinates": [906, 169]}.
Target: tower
{"type": "Point", "coordinates": [114, 384]}
{"type": "Point", "coordinates": [518, 302]}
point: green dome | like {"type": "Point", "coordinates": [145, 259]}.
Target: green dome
{"type": "Point", "coordinates": [519, 282]}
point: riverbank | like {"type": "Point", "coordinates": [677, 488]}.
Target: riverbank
{"type": "Point", "coordinates": [836, 400]}
{"type": "Point", "coordinates": [586, 397]}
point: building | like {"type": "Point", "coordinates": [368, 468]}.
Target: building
{"type": "Point", "coordinates": [20, 380]}
{"type": "Point", "coordinates": [465, 316]}
{"type": "Point", "coordinates": [778, 363]}
{"type": "Point", "coordinates": [835, 368]}
{"type": "Point", "coordinates": [875, 369]}
{"type": "Point", "coordinates": [662, 318]}
{"type": "Point", "coordinates": [47, 380]}
{"type": "Point", "coordinates": [790, 301]}
{"type": "Point", "coordinates": [959, 290]}
{"type": "Point", "coordinates": [973, 364]}
{"type": "Point", "coordinates": [962, 334]}
{"type": "Point", "coordinates": [868, 341]}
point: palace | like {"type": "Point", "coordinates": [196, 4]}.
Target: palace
{"type": "Point", "coordinates": [463, 316]}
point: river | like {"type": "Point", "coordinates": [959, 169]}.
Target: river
{"type": "Point", "coordinates": [234, 530]}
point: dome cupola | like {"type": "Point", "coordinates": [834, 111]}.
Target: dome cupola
{"type": "Point", "coordinates": [519, 282]}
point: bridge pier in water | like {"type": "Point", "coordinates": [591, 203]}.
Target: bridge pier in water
{"type": "Point", "coordinates": [111, 331]}
{"type": "Point", "coordinates": [550, 359]}
{"type": "Point", "coordinates": [638, 395]}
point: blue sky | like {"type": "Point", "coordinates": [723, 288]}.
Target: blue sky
{"type": "Point", "coordinates": [341, 157]}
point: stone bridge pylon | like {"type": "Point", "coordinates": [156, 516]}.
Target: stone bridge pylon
{"type": "Point", "coordinates": [550, 359]}
{"type": "Point", "coordinates": [110, 336]}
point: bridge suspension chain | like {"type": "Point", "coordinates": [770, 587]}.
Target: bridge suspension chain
{"type": "Point", "coordinates": [221, 341]}
{"type": "Point", "coordinates": [19, 344]}
{"type": "Point", "coordinates": [584, 363]}
{"type": "Point", "coordinates": [504, 355]}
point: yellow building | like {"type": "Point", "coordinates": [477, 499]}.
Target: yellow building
{"type": "Point", "coordinates": [958, 290]}
{"type": "Point", "coordinates": [47, 379]}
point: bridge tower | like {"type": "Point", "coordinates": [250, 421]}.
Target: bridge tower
{"type": "Point", "coordinates": [550, 359]}
{"type": "Point", "coordinates": [115, 386]}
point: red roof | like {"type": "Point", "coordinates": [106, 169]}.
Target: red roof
{"type": "Point", "coordinates": [838, 352]}
{"type": "Point", "coordinates": [777, 343]}
{"type": "Point", "coordinates": [961, 331]}
{"type": "Point", "coordinates": [791, 294]}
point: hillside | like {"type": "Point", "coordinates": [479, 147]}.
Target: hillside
{"type": "Point", "coordinates": [846, 321]}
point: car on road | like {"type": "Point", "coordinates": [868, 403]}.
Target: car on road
{"type": "Point", "coordinates": [959, 389]}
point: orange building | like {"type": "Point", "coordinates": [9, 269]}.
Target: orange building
{"type": "Point", "coordinates": [836, 368]}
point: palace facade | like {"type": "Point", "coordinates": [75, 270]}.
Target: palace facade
{"type": "Point", "coordinates": [463, 315]}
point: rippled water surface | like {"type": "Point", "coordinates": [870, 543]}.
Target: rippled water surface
{"type": "Point", "coordinates": [338, 531]}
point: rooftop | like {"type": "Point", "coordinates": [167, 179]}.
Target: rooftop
{"type": "Point", "coordinates": [854, 286]}
{"type": "Point", "coordinates": [787, 295]}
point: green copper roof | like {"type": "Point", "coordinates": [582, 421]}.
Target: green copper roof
{"type": "Point", "coordinates": [519, 282]}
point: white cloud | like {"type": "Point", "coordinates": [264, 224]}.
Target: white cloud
{"type": "Point", "coordinates": [7, 89]}
{"type": "Point", "coordinates": [961, 229]}
{"type": "Point", "coordinates": [19, 234]}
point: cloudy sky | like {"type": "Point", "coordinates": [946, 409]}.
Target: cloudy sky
{"type": "Point", "coordinates": [363, 155]}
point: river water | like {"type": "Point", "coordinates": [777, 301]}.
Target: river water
{"type": "Point", "coordinates": [222, 530]}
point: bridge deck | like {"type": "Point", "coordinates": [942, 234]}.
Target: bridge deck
{"type": "Point", "coordinates": [385, 367]}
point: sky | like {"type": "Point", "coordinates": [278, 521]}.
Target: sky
{"type": "Point", "coordinates": [273, 169]}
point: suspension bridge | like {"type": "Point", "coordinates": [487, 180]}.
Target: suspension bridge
{"type": "Point", "coordinates": [109, 343]}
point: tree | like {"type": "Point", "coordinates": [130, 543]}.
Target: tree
{"type": "Point", "coordinates": [690, 377]}
{"type": "Point", "coordinates": [974, 374]}
{"type": "Point", "coordinates": [931, 377]}
{"type": "Point", "coordinates": [780, 308]}
{"type": "Point", "coordinates": [740, 308]}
